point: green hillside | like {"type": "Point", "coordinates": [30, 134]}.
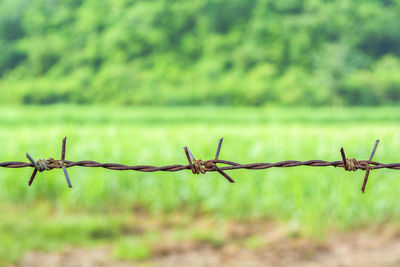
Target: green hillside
{"type": "Point", "coordinates": [225, 52]}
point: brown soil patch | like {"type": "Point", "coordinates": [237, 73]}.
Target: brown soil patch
{"type": "Point", "coordinates": [377, 246]}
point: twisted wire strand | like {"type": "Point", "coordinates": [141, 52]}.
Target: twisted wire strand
{"type": "Point", "coordinates": [231, 165]}
{"type": "Point", "coordinates": [198, 166]}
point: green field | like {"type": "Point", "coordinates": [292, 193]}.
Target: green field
{"type": "Point", "coordinates": [311, 201]}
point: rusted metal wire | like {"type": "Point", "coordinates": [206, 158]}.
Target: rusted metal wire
{"type": "Point", "coordinates": [200, 166]}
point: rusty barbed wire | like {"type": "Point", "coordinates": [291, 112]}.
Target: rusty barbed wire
{"type": "Point", "coordinates": [200, 166]}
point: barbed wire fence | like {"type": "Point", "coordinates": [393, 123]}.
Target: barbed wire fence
{"type": "Point", "coordinates": [200, 166]}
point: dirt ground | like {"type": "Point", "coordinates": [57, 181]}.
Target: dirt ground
{"type": "Point", "coordinates": [377, 246]}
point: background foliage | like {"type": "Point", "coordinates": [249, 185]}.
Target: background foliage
{"type": "Point", "coordinates": [231, 52]}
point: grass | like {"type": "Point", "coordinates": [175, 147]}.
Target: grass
{"type": "Point", "coordinates": [309, 200]}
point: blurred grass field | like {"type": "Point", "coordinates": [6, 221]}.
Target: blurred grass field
{"type": "Point", "coordinates": [311, 201]}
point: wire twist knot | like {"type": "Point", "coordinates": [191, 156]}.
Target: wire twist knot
{"type": "Point", "coordinates": [198, 167]}
{"type": "Point", "coordinates": [49, 164]}
{"type": "Point", "coordinates": [55, 163]}
{"type": "Point", "coordinates": [42, 165]}
{"type": "Point", "coordinates": [351, 164]}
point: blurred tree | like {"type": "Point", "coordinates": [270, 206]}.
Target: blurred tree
{"type": "Point", "coordinates": [236, 52]}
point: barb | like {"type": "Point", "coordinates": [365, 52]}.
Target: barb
{"type": "Point", "coordinates": [47, 165]}
{"type": "Point", "coordinates": [369, 167]}
{"type": "Point", "coordinates": [62, 162]}
{"type": "Point", "coordinates": [200, 166]}
{"type": "Point", "coordinates": [351, 164]}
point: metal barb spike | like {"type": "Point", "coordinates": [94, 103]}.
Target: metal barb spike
{"type": "Point", "coordinates": [64, 141]}
{"type": "Point", "coordinates": [367, 170]}
{"type": "Point", "coordinates": [218, 148]}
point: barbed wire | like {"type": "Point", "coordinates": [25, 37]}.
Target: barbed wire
{"type": "Point", "coordinates": [200, 166]}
